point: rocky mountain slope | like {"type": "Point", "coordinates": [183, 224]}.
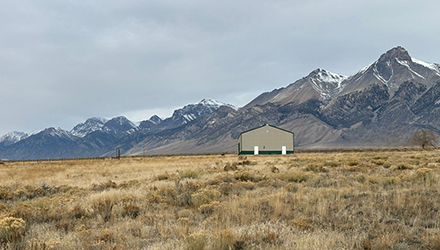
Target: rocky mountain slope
{"type": "Point", "coordinates": [380, 105]}
{"type": "Point", "coordinates": [96, 136]}
{"type": "Point", "coordinates": [319, 84]}
{"type": "Point", "coordinates": [392, 69]}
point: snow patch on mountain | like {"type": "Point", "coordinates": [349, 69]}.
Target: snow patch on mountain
{"type": "Point", "coordinates": [155, 119]}
{"type": "Point", "coordinates": [327, 76]}
{"type": "Point", "coordinates": [364, 69]}
{"type": "Point", "coordinates": [189, 117]}
{"type": "Point", "coordinates": [326, 83]}
{"type": "Point", "coordinates": [431, 66]}
{"type": "Point", "coordinates": [377, 74]}
{"type": "Point", "coordinates": [406, 64]}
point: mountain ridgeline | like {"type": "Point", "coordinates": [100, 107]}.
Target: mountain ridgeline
{"type": "Point", "coordinates": [383, 104]}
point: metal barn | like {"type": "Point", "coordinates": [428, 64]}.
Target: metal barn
{"type": "Point", "coordinates": [266, 139]}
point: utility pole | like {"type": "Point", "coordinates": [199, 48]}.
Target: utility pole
{"type": "Point", "coordinates": [144, 146]}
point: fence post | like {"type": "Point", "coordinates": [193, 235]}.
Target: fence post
{"type": "Point", "coordinates": [118, 153]}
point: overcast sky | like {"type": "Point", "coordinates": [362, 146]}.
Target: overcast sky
{"type": "Point", "coordinates": [63, 61]}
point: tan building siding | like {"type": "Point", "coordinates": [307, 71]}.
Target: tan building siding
{"type": "Point", "coordinates": [268, 139]}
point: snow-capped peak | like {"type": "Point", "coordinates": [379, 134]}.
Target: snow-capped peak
{"type": "Point", "coordinates": [214, 103]}
{"type": "Point", "coordinates": [90, 125]}
{"type": "Point", "coordinates": [99, 119]}
{"type": "Point", "coordinates": [13, 137]}
{"type": "Point", "coordinates": [120, 124]}
{"type": "Point", "coordinates": [155, 119]}
{"type": "Point", "coordinates": [121, 120]}
{"type": "Point", "coordinates": [59, 132]}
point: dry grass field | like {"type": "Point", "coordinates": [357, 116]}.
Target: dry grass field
{"type": "Point", "coordinates": [339, 200]}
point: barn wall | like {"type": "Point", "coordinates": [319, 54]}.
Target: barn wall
{"type": "Point", "coordinates": [268, 139]}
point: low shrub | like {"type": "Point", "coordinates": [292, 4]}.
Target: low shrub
{"type": "Point", "coordinates": [104, 208]}
{"type": "Point", "coordinates": [230, 167]}
{"type": "Point", "coordinates": [246, 176]}
{"type": "Point", "coordinates": [25, 212]}
{"type": "Point", "coordinates": [352, 163]}
{"type": "Point", "coordinates": [270, 237]}
{"type": "Point", "coordinates": [6, 194]}
{"type": "Point", "coordinates": [380, 158]}
{"type": "Point", "coordinates": [189, 174]}
{"type": "Point", "coordinates": [104, 185]}
{"type": "Point", "coordinates": [291, 187]}
{"type": "Point", "coordinates": [374, 179]}
{"type": "Point", "coordinates": [402, 166]}
{"type": "Point", "coordinates": [274, 169]}
{"type": "Point", "coordinates": [106, 235]}
{"type": "Point", "coordinates": [331, 164]}
{"type": "Point", "coordinates": [102, 204]}
{"type": "Point", "coordinates": [225, 240]}
{"type": "Point", "coordinates": [208, 209]}
{"type": "Point", "coordinates": [316, 169]}
{"type": "Point", "coordinates": [162, 177]}
{"type": "Point", "coordinates": [204, 196]}
{"type": "Point", "coordinates": [77, 212]}
{"type": "Point", "coordinates": [424, 173]}
{"type": "Point", "coordinates": [131, 211]}
{"type": "Point", "coordinates": [12, 230]}
{"type": "Point", "coordinates": [246, 162]}
{"type": "Point", "coordinates": [226, 188]}
{"type": "Point", "coordinates": [294, 176]}
{"type": "Point", "coordinates": [378, 162]}
{"type": "Point", "coordinates": [64, 225]}
{"type": "Point", "coordinates": [360, 178]}
{"type": "Point", "coordinates": [196, 242]}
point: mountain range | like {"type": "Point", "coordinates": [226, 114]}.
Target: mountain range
{"type": "Point", "coordinates": [381, 105]}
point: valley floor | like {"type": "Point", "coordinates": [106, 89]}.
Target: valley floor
{"type": "Point", "coordinates": [332, 200]}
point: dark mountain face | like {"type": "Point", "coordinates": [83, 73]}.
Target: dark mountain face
{"type": "Point", "coordinates": [390, 60]}
{"type": "Point", "coordinates": [429, 101]}
{"type": "Point", "coordinates": [397, 111]}
{"type": "Point", "coordinates": [12, 138]}
{"type": "Point", "coordinates": [427, 109]}
{"type": "Point", "coordinates": [355, 107]}
{"type": "Point", "coordinates": [150, 123]}
{"type": "Point", "coordinates": [381, 105]}
{"type": "Point", "coordinates": [48, 142]}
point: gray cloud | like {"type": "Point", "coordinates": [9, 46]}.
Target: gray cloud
{"type": "Point", "coordinates": [64, 61]}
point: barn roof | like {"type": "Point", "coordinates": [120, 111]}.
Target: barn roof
{"type": "Point", "coordinates": [265, 126]}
